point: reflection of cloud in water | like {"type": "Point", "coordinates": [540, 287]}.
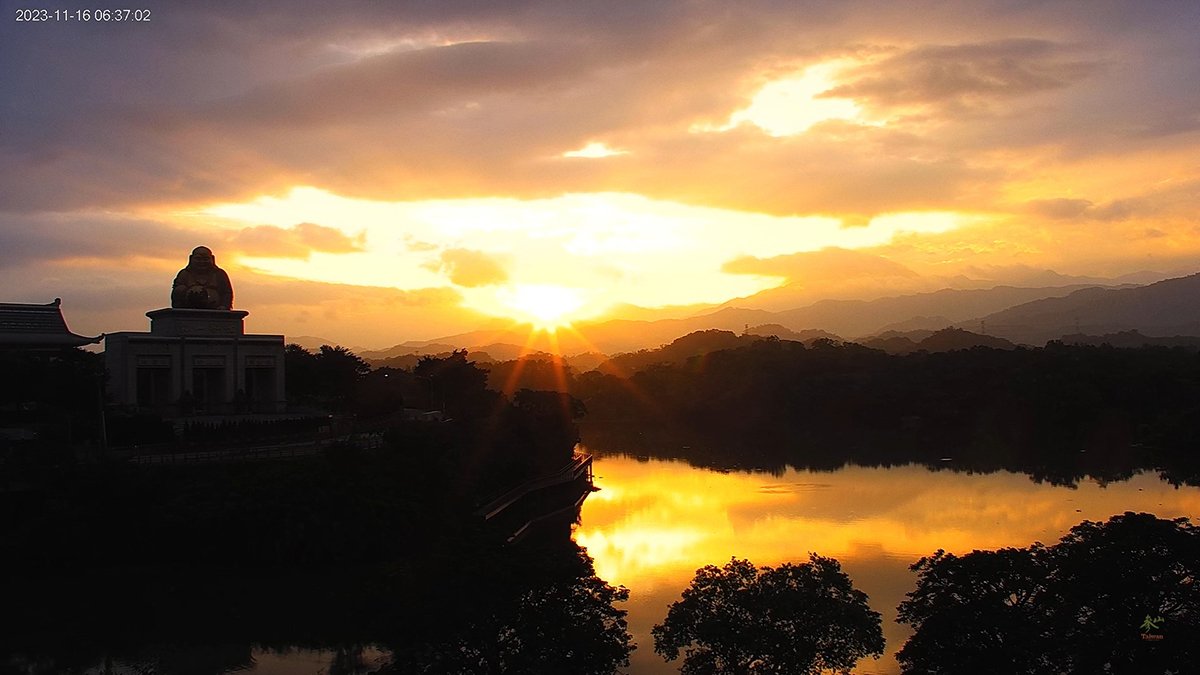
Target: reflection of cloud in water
{"type": "Point", "coordinates": [654, 523]}
{"type": "Point", "coordinates": [783, 488]}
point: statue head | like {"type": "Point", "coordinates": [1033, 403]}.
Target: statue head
{"type": "Point", "coordinates": [202, 257]}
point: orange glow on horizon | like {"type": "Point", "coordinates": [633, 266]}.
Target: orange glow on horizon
{"type": "Point", "coordinates": [548, 262]}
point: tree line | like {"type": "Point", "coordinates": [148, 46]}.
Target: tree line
{"type": "Point", "coordinates": [1058, 413]}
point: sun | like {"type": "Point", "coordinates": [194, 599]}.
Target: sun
{"type": "Point", "coordinates": [546, 306]}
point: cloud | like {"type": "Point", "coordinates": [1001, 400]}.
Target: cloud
{"type": "Point", "coordinates": [1060, 208]}
{"type": "Point", "coordinates": [408, 82]}
{"type": "Point", "coordinates": [819, 266]}
{"type": "Point", "coordinates": [28, 237]}
{"type": "Point", "coordinates": [471, 269]}
{"type": "Point", "coordinates": [1083, 209]}
{"type": "Point", "coordinates": [965, 76]}
{"type": "Point", "coordinates": [418, 101]}
{"type": "Point", "coordinates": [415, 245]}
{"type": "Point", "coordinates": [102, 298]}
{"type": "Point", "coordinates": [454, 100]}
{"type": "Point", "coordinates": [299, 241]}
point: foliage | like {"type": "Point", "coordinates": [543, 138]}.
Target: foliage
{"type": "Point", "coordinates": [542, 374]}
{"type": "Point", "coordinates": [1075, 607]}
{"type": "Point", "coordinates": [382, 392]}
{"type": "Point", "coordinates": [1058, 413]}
{"type": "Point", "coordinates": [805, 618]}
{"type": "Point", "coordinates": [328, 377]}
{"type": "Point", "coordinates": [56, 393]}
{"type": "Point", "coordinates": [535, 608]}
{"type": "Point", "coordinates": [455, 385]}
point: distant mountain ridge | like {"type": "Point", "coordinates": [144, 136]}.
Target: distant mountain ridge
{"type": "Point", "coordinates": [1011, 314]}
{"type": "Point", "coordinates": [866, 317]}
{"type": "Point", "coordinates": [1165, 308]}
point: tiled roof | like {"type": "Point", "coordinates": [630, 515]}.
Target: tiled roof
{"type": "Point", "coordinates": [31, 326]}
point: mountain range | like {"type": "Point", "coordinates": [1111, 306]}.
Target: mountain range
{"type": "Point", "coordinates": [1004, 315]}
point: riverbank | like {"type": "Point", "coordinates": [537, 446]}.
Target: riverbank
{"type": "Point", "coordinates": [416, 489]}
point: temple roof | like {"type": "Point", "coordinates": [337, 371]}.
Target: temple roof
{"type": "Point", "coordinates": [25, 326]}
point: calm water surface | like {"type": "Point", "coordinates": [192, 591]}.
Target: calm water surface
{"type": "Point", "coordinates": [654, 522]}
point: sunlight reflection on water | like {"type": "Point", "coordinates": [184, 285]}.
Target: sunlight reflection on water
{"type": "Point", "coordinates": [654, 522]}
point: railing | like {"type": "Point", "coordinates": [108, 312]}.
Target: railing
{"type": "Point", "coordinates": [516, 512]}
{"type": "Point", "coordinates": [580, 463]}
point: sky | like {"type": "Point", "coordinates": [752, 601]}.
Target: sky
{"type": "Point", "coordinates": [378, 172]}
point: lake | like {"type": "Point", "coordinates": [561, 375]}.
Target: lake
{"type": "Point", "coordinates": [654, 522]}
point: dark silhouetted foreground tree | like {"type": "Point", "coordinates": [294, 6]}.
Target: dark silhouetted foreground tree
{"type": "Point", "coordinates": [805, 618]}
{"type": "Point", "coordinates": [561, 619]}
{"type": "Point", "coordinates": [1119, 596]}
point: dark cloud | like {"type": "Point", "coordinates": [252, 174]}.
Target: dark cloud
{"type": "Point", "coordinates": [470, 269]}
{"type": "Point", "coordinates": [1083, 209]}
{"type": "Point", "coordinates": [299, 241]}
{"type": "Point", "coordinates": [408, 82]}
{"type": "Point", "coordinates": [969, 75]}
{"type": "Point", "coordinates": [54, 237]}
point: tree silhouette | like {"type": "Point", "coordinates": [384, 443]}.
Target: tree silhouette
{"type": "Point", "coordinates": [805, 618]}
{"type": "Point", "coordinates": [1058, 413]}
{"type": "Point", "coordinates": [1079, 606]}
{"type": "Point", "coordinates": [454, 384]}
{"type": "Point", "coordinates": [540, 610]}
{"type": "Point", "coordinates": [329, 377]}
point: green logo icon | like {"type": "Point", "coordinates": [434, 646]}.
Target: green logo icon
{"type": "Point", "coordinates": [1151, 626]}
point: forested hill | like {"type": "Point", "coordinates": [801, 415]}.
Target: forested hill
{"type": "Point", "coordinates": [1059, 411]}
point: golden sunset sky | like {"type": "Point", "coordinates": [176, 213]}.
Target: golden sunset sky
{"type": "Point", "coordinates": [376, 172]}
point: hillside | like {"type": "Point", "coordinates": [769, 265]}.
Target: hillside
{"type": "Point", "coordinates": [1166, 308]}
{"type": "Point", "coordinates": [857, 317]}
{"type": "Point", "coordinates": [945, 340]}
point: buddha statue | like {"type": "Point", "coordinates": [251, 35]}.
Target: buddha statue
{"type": "Point", "coordinates": [202, 285]}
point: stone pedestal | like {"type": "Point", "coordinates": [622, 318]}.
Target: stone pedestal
{"type": "Point", "coordinates": [196, 322]}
